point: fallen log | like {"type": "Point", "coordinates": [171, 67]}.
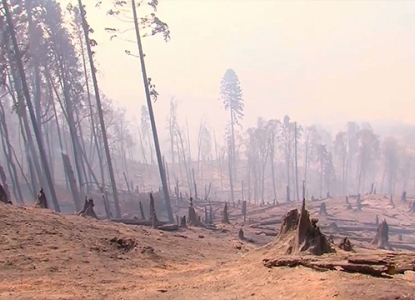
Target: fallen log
{"type": "Point", "coordinates": [168, 227]}
{"type": "Point", "coordinates": [137, 222]}
{"type": "Point", "coordinates": [345, 266]}
{"type": "Point", "coordinates": [266, 233]}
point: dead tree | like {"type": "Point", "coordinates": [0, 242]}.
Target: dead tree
{"type": "Point", "coordinates": [211, 214]}
{"type": "Point", "coordinates": [377, 220]}
{"type": "Point", "coordinates": [183, 222]}
{"type": "Point", "coordinates": [3, 195]}
{"type": "Point", "coordinates": [359, 202]}
{"type": "Point", "coordinates": [225, 216]}
{"type": "Point", "coordinates": [288, 194]}
{"type": "Point", "coordinates": [323, 209]}
{"type": "Point", "coordinates": [346, 245]}
{"type": "Point", "coordinates": [153, 215]}
{"type": "Point", "coordinates": [206, 216]}
{"type": "Point", "coordinates": [143, 216]}
{"type": "Point", "coordinates": [41, 200]}
{"type": "Point", "coordinates": [403, 198]}
{"type": "Point", "coordinates": [382, 236]}
{"type": "Point", "coordinates": [391, 200]}
{"type": "Point", "coordinates": [244, 210]}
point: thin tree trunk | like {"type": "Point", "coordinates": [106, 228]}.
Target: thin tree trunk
{"type": "Point", "coordinates": [99, 107]}
{"type": "Point", "coordinates": [153, 122]}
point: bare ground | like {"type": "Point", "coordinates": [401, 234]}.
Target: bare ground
{"type": "Point", "coordinates": [46, 255]}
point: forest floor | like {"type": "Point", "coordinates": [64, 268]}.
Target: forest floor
{"type": "Point", "coordinates": [47, 255]}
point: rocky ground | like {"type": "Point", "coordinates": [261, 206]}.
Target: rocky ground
{"type": "Point", "coordinates": [46, 255]}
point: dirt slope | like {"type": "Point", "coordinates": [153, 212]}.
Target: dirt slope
{"type": "Point", "coordinates": [45, 255]}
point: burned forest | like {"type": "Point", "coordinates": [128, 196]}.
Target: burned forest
{"type": "Point", "coordinates": [151, 156]}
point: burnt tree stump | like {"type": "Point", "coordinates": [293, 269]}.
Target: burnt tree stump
{"type": "Point", "coordinates": [143, 216]}
{"type": "Point", "coordinates": [403, 198]}
{"type": "Point", "coordinates": [3, 195]}
{"type": "Point", "coordinates": [225, 216]}
{"type": "Point", "coordinates": [323, 209]}
{"type": "Point", "coordinates": [377, 220]}
{"type": "Point", "coordinates": [346, 245]}
{"type": "Point", "coordinates": [244, 209]}
{"type": "Point", "coordinates": [382, 236]}
{"type": "Point", "coordinates": [241, 234]}
{"type": "Point", "coordinates": [88, 209]}
{"type": "Point", "coordinates": [183, 222]}
{"type": "Point", "coordinates": [305, 234]}
{"type": "Point", "coordinates": [347, 200]}
{"type": "Point", "coordinates": [359, 202]}
{"type": "Point", "coordinates": [193, 219]}
{"type": "Point", "coordinates": [41, 200]}
{"type": "Point", "coordinates": [391, 200]}
{"type": "Point", "coordinates": [153, 215]}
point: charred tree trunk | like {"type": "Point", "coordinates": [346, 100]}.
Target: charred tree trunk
{"type": "Point", "coordinates": [225, 216]}
{"type": "Point", "coordinates": [19, 63]}
{"type": "Point", "coordinates": [99, 108]}
{"type": "Point", "coordinates": [382, 236]}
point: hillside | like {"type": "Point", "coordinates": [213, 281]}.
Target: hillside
{"type": "Point", "coordinates": [46, 255]}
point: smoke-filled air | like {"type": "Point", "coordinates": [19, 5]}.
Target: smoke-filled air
{"type": "Point", "coordinates": [206, 149]}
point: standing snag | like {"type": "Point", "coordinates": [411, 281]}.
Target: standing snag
{"type": "Point", "coordinates": [323, 209]}
{"type": "Point", "coordinates": [244, 209]}
{"type": "Point", "coordinates": [153, 215]}
{"type": "Point", "coordinates": [41, 200]}
{"type": "Point", "coordinates": [225, 217]}
{"type": "Point", "coordinates": [3, 195]}
{"type": "Point", "coordinates": [382, 236]}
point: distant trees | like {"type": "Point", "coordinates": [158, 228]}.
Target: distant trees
{"type": "Point", "coordinates": [231, 96]}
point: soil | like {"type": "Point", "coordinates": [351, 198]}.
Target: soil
{"type": "Point", "coordinates": [47, 255]}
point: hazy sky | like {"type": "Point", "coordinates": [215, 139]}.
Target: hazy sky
{"type": "Point", "coordinates": [324, 61]}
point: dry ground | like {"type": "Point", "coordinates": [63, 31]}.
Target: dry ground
{"type": "Point", "coordinates": [45, 255]}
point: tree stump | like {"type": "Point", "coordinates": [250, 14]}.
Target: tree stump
{"type": "Point", "coordinates": [3, 195]}
{"type": "Point", "coordinates": [41, 200]}
{"type": "Point", "coordinates": [349, 206]}
{"type": "Point", "coordinates": [153, 215]}
{"type": "Point", "coordinates": [403, 198]}
{"type": "Point", "coordinates": [328, 195]}
{"type": "Point", "coordinates": [323, 209]}
{"type": "Point", "coordinates": [304, 234]}
{"type": "Point", "coordinates": [225, 216]}
{"type": "Point", "coordinates": [88, 209]}
{"type": "Point", "coordinates": [346, 245]}
{"type": "Point", "coordinates": [143, 216]}
{"type": "Point", "coordinates": [183, 222]}
{"type": "Point", "coordinates": [391, 201]}
{"type": "Point", "coordinates": [206, 216]}
{"type": "Point", "coordinates": [359, 202]}
{"type": "Point", "coordinates": [241, 234]}
{"type": "Point", "coordinates": [211, 214]}
{"type": "Point", "coordinates": [382, 236]}
{"type": "Point", "coordinates": [244, 210]}
{"type": "Point", "coordinates": [193, 219]}
{"type": "Point", "coordinates": [377, 220]}
{"type": "Point", "coordinates": [347, 200]}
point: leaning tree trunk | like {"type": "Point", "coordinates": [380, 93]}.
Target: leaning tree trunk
{"type": "Point", "coordinates": [99, 107]}
{"type": "Point", "coordinates": [152, 119]}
